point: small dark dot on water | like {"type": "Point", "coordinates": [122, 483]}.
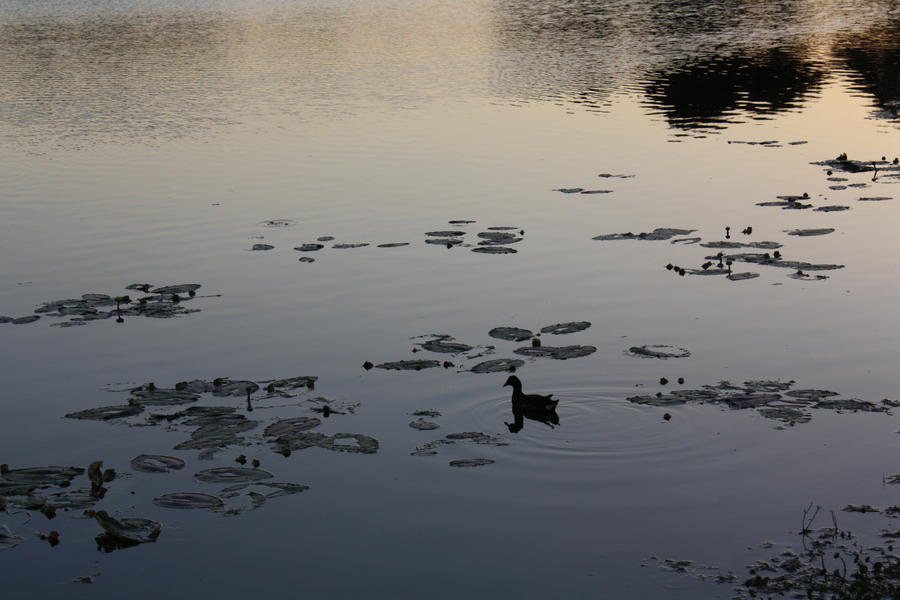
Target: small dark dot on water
{"type": "Point", "coordinates": [663, 381]}
{"type": "Point", "coordinates": [681, 380]}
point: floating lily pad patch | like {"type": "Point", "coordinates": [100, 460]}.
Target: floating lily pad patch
{"type": "Point", "coordinates": [262, 247]}
{"type": "Point", "coordinates": [308, 247]}
{"type": "Point", "coordinates": [156, 463]}
{"type": "Point", "coordinates": [188, 500]}
{"type": "Point", "coordinates": [131, 529]}
{"type": "Point", "coordinates": [423, 425]}
{"type": "Point", "coordinates": [232, 475]}
{"type": "Point", "coordinates": [498, 365]}
{"type": "Point", "coordinates": [162, 397]}
{"type": "Point", "coordinates": [811, 232]}
{"type": "Point", "coordinates": [724, 244]}
{"type": "Point", "coordinates": [563, 328]}
{"type": "Point", "coordinates": [393, 244]}
{"type": "Point", "coordinates": [250, 496]}
{"type": "Point", "coordinates": [875, 199]}
{"type": "Point", "coordinates": [290, 426]}
{"type": "Point", "coordinates": [831, 208]}
{"type": "Point", "coordinates": [494, 250]}
{"type": "Point", "coordinates": [39, 477]}
{"type": "Point", "coordinates": [660, 233]}
{"type": "Point", "coordinates": [446, 347]}
{"type": "Point", "coordinates": [444, 234]}
{"type": "Point", "coordinates": [559, 353]}
{"type": "Point", "coordinates": [342, 442]}
{"type": "Point", "coordinates": [306, 259]}
{"type": "Point", "coordinates": [325, 238]}
{"type": "Point", "coordinates": [107, 413]}
{"type": "Point", "coordinates": [512, 334]}
{"type": "Point", "coordinates": [345, 246]}
{"type": "Point", "coordinates": [278, 223]}
{"type": "Point", "coordinates": [471, 462]}
{"type": "Point", "coordinates": [659, 351]}
{"type": "Point", "coordinates": [475, 437]}
{"type": "Point", "coordinates": [8, 539]}
{"type": "Point", "coordinates": [444, 241]}
{"type": "Point", "coordinates": [742, 276]}
{"type": "Point", "coordinates": [409, 365]}
{"type": "Point", "coordinates": [498, 238]}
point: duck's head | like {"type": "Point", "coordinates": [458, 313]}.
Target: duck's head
{"type": "Point", "coordinates": [513, 381]}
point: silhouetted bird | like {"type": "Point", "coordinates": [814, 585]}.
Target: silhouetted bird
{"type": "Point", "coordinates": [532, 406]}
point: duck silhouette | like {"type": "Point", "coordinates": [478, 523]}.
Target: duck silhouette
{"type": "Point", "coordinates": [537, 407]}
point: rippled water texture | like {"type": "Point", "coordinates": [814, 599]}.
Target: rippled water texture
{"type": "Point", "coordinates": [265, 248]}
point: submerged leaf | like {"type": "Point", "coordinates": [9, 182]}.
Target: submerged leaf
{"type": "Point", "coordinates": [188, 500]}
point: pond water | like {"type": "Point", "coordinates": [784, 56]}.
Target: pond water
{"type": "Point", "coordinates": [346, 183]}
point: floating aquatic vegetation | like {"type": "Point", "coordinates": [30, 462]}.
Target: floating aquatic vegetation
{"type": "Point", "coordinates": [660, 233]}
{"type": "Point", "coordinates": [811, 394]}
{"type": "Point", "coordinates": [576, 190]}
{"type": "Point", "coordinates": [262, 247]}
{"type": "Point", "coordinates": [842, 163]}
{"type": "Point", "coordinates": [188, 500]}
{"type": "Point", "coordinates": [292, 383]}
{"type": "Point", "coordinates": [446, 347]}
{"type": "Point", "coordinates": [837, 187]}
{"type": "Point", "coordinates": [25, 320]}
{"type": "Point", "coordinates": [742, 276]}
{"type": "Point", "coordinates": [290, 426]}
{"type": "Point", "coordinates": [278, 223]}
{"type": "Point", "coordinates": [426, 413]}
{"type": "Point", "coordinates": [861, 508]}
{"type": "Point", "coordinates": [476, 437]}
{"type": "Point", "coordinates": [563, 328]}
{"type": "Point", "coordinates": [497, 365]}
{"type": "Point", "coordinates": [107, 413]}
{"type": "Point", "coordinates": [306, 259]}
{"type": "Point", "coordinates": [787, 414]}
{"type": "Point", "coordinates": [610, 175]}
{"type": "Point", "coordinates": [461, 222]}
{"type": "Point", "coordinates": [597, 192]}
{"type": "Point", "coordinates": [559, 353]}
{"type": "Point", "coordinates": [659, 351]}
{"type": "Point", "coordinates": [8, 539]}
{"type": "Point", "coordinates": [343, 442]}
{"type": "Point", "coordinates": [771, 261]}
{"type": "Point", "coordinates": [498, 238]}
{"type": "Point", "coordinates": [444, 234]}
{"type": "Point", "coordinates": [393, 244]}
{"type": "Point", "coordinates": [423, 425]}
{"type": "Point", "coordinates": [727, 244]}
{"type": "Point", "coordinates": [156, 463]}
{"type": "Point", "coordinates": [810, 232]}
{"type": "Point", "coordinates": [850, 404]}
{"type": "Point", "coordinates": [77, 499]}
{"type": "Point", "coordinates": [875, 199]}
{"type": "Point", "coordinates": [686, 241]}
{"type": "Point", "coordinates": [409, 365]}
{"type": "Point", "coordinates": [250, 496]}
{"type": "Point", "coordinates": [350, 245]}
{"type": "Point", "coordinates": [185, 288]}
{"type": "Point", "coordinates": [131, 529]}
{"type": "Point", "coordinates": [309, 247]}
{"type": "Point", "coordinates": [471, 462]}
{"type": "Point", "coordinates": [512, 334]}
{"type": "Point", "coordinates": [154, 396]}
{"type": "Point", "coordinates": [494, 250]}
{"type": "Point", "coordinates": [232, 475]}
{"type": "Point", "coordinates": [325, 238]}
{"type": "Point", "coordinates": [39, 477]}
{"type": "Point", "coordinates": [222, 386]}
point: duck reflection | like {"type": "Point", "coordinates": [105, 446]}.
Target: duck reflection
{"type": "Point", "coordinates": [530, 406]}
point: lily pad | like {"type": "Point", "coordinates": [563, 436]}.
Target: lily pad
{"type": "Point", "coordinates": [393, 244]}
{"type": "Point", "coordinates": [409, 365]}
{"type": "Point", "coordinates": [445, 347]}
{"type": "Point", "coordinates": [471, 462]}
{"type": "Point", "coordinates": [294, 425]}
{"type": "Point", "coordinates": [250, 496]}
{"type": "Point", "coordinates": [811, 394]}
{"type": "Point", "coordinates": [107, 413]}
{"type": "Point", "coordinates": [494, 250]}
{"type": "Point", "coordinates": [742, 276]}
{"type": "Point", "coordinates": [563, 328]}
{"type": "Point", "coordinates": [309, 247]}
{"type": "Point", "coordinates": [811, 232]}
{"type": "Point", "coordinates": [498, 365]}
{"type": "Point", "coordinates": [512, 334]}
{"type": "Point", "coordinates": [162, 397]}
{"type": "Point", "coordinates": [8, 539]}
{"type": "Point", "coordinates": [444, 241]}
{"type": "Point", "coordinates": [306, 259]}
{"type": "Point", "coordinates": [278, 223]}
{"type": "Point", "coordinates": [185, 288]}
{"type": "Point", "coordinates": [499, 237]}
{"type": "Point", "coordinates": [659, 351]}
{"type": "Point", "coordinates": [831, 208]}
{"type": "Point", "coordinates": [559, 353]}
{"type": "Point", "coordinates": [786, 414]}
{"type": "Point", "coordinates": [232, 475]}
{"type": "Point", "coordinates": [262, 247]}
{"type": "Point", "coordinates": [188, 500]}
{"type": "Point", "coordinates": [342, 442]}
{"type": "Point", "coordinates": [156, 463]}
{"type": "Point", "coordinates": [41, 476]}
{"type": "Point", "coordinates": [130, 529]}
{"type": "Point", "coordinates": [875, 199]}
{"type": "Point", "coordinates": [660, 233]}
{"type": "Point", "coordinates": [25, 320]}
{"type": "Point", "coordinates": [351, 245]}
{"type": "Point", "coordinates": [423, 425]}
{"type": "Point", "coordinates": [444, 234]}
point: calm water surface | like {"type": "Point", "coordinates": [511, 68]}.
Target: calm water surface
{"type": "Point", "coordinates": [155, 141]}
